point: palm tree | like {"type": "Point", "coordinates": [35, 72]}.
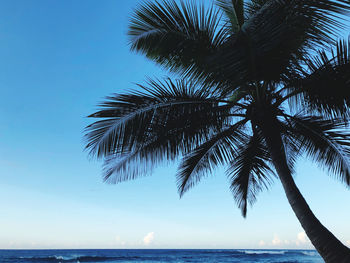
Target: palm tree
{"type": "Point", "coordinates": [257, 84]}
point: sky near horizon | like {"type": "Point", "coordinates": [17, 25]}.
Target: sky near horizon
{"type": "Point", "coordinates": [59, 59]}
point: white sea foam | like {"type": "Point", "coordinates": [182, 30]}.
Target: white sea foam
{"type": "Point", "coordinates": [309, 253]}
{"type": "Point", "coordinates": [63, 259]}
{"type": "Point", "coordinates": [259, 252]}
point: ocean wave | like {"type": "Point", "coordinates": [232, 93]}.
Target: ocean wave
{"type": "Point", "coordinates": [262, 252]}
{"type": "Point", "coordinates": [280, 252]}
{"type": "Point", "coordinates": [310, 253]}
{"type": "Point", "coordinates": [77, 258]}
{"type": "Point", "coordinates": [162, 256]}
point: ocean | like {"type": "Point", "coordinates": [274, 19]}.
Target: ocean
{"type": "Point", "coordinates": [159, 255]}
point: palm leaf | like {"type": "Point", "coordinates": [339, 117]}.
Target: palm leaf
{"type": "Point", "coordinates": [291, 144]}
{"type": "Point", "coordinates": [325, 141]}
{"type": "Point", "coordinates": [218, 150]}
{"type": "Point", "coordinates": [326, 88]}
{"type": "Point", "coordinates": [177, 36]}
{"type": "Point", "coordinates": [275, 41]}
{"type": "Point", "coordinates": [249, 172]}
{"type": "Point", "coordinates": [140, 161]}
{"type": "Point", "coordinates": [239, 8]}
{"type": "Point", "coordinates": [234, 13]}
{"type": "Point", "coordinates": [254, 6]}
{"type": "Point", "coordinates": [128, 120]}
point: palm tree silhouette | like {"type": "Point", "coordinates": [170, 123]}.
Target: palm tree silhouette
{"type": "Point", "coordinates": [257, 85]}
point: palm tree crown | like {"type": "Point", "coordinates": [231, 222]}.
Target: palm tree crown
{"type": "Point", "coordinates": [251, 76]}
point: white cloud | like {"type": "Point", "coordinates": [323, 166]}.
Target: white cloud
{"type": "Point", "coordinates": [276, 241]}
{"type": "Point", "coordinates": [262, 243]}
{"type": "Point", "coordinates": [348, 243]}
{"type": "Point", "coordinates": [148, 239]}
{"type": "Point", "coordinates": [301, 239]}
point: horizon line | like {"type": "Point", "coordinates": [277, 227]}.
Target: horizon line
{"type": "Point", "coordinates": [157, 249]}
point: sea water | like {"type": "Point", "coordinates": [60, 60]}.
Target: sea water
{"type": "Point", "coordinates": [162, 255]}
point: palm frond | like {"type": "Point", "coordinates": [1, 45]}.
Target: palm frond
{"type": "Point", "coordinates": [249, 172]}
{"type": "Point", "coordinates": [141, 160]}
{"type": "Point", "coordinates": [275, 41]}
{"type": "Point", "coordinates": [129, 166]}
{"type": "Point", "coordinates": [239, 8]}
{"type": "Point", "coordinates": [239, 93]}
{"type": "Point", "coordinates": [230, 14]}
{"type": "Point", "coordinates": [253, 6]}
{"type": "Point", "coordinates": [325, 141]}
{"type": "Point", "coordinates": [177, 36]}
{"type": "Point", "coordinates": [314, 22]}
{"type": "Point", "coordinates": [218, 150]}
{"type": "Point", "coordinates": [234, 12]}
{"type": "Point", "coordinates": [291, 144]}
{"type": "Point", "coordinates": [326, 88]}
{"type": "Point", "coordinates": [180, 109]}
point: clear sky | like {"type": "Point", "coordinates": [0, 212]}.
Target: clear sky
{"type": "Point", "coordinates": [58, 59]}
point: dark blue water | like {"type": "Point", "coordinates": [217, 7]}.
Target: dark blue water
{"type": "Point", "coordinates": [150, 256]}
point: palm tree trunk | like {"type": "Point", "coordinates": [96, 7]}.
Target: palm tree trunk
{"type": "Point", "coordinates": [328, 246]}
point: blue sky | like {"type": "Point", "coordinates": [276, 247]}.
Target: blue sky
{"type": "Point", "coordinates": [59, 59]}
